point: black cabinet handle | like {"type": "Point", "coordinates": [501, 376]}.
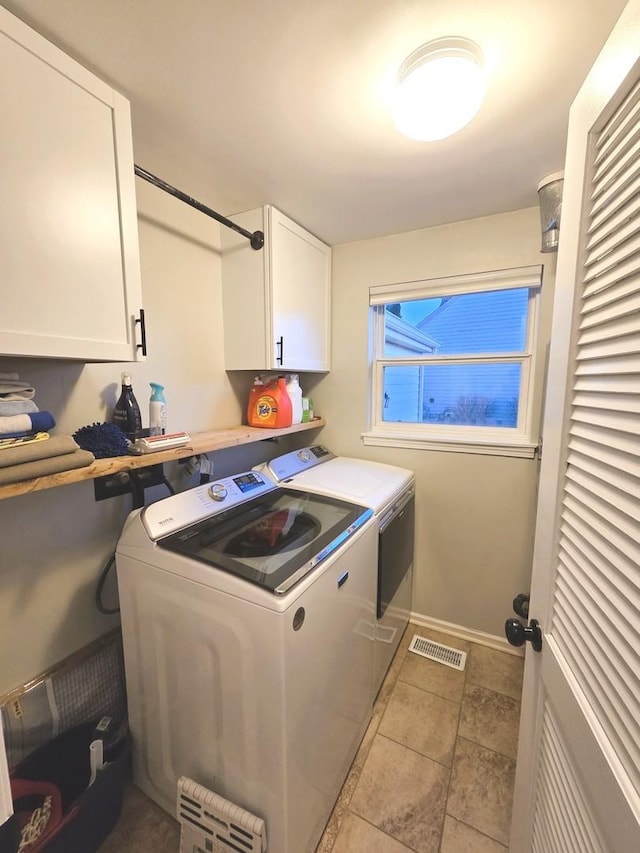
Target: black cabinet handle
{"type": "Point", "coordinates": [143, 333]}
{"type": "Point", "coordinates": [344, 577]}
{"type": "Point", "coordinates": [280, 346]}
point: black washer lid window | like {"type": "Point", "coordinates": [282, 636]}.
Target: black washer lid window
{"type": "Point", "coordinates": [268, 539]}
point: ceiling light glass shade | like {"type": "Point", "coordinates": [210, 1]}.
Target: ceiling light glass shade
{"type": "Point", "coordinates": [441, 86]}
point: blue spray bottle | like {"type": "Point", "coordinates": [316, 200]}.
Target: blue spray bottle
{"type": "Point", "coordinates": [157, 410]}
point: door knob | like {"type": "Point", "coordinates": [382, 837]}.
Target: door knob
{"type": "Point", "coordinates": [521, 605]}
{"type": "Point", "coordinates": [517, 634]}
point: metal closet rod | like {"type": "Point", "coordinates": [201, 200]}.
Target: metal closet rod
{"type": "Point", "coordinates": [255, 238]}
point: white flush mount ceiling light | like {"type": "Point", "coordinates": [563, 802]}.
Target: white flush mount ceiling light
{"type": "Point", "coordinates": [440, 88]}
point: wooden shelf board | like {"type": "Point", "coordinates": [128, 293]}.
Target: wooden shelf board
{"type": "Point", "coordinates": [201, 442]}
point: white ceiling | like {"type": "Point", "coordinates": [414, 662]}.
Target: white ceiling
{"type": "Point", "coordinates": [240, 103]}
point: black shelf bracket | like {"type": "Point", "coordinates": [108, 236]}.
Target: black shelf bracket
{"type": "Point", "coordinates": [255, 238]}
{"type": "Point", "coordinates": [132, 482]}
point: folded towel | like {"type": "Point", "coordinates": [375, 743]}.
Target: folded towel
{"type": "Point", "coordinates": [59, 445]}
{"type": "Point", "coordinates": [16, 407]}
{"type": "Point", "coordinates": [22, 424]}
{"type": "Point", "coordinates": [8, 441]}
{"type": "Point", "coordinates": [44, 467]}
{"type": "Point", "coordinates": [15, 389]}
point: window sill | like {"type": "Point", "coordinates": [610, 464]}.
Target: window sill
{"type": "Point", "coordinates": [379, 438]}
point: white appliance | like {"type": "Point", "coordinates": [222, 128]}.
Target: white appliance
{"type": "Point", "coordinates": [246, 618]}
{"type": "Point", "coordinates": [390, 492]}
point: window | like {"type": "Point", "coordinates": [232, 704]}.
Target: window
{"type": "Point", "coordinates": [453, 362]}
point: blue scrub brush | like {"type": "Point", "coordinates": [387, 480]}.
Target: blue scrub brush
{"type": "Point", "coordinates": [103, 440]}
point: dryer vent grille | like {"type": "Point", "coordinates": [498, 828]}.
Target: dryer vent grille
{"type": "Point", "coordinates": [437, 652]}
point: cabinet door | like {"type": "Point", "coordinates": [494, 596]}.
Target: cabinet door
{"type": "Point", "coordinates": [300, 272]}
{"type": "Point", "coordinates": [276, 301]}
{"type": "Point", "coordinates": [69, 264]}
{"type": "Point", "coordinates": [248, 337]}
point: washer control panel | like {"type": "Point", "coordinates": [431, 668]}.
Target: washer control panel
{"type": "Point", "coordinates": [178, 511]}
{"type": "Point", "coordinates": [218, 492]}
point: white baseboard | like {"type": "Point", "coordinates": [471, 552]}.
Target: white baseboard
{"type": "Point", "coordinates": [490, 640]}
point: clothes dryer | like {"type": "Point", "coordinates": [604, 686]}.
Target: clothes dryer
{"type": "Point", "coordinates": [390, 492]}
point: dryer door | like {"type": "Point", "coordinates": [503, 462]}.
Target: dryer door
{"type": "Point", "coordinates": [395, 555]}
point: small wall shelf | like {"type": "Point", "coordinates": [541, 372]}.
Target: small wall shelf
{"type": "Point", "coordinates": [201, 442]}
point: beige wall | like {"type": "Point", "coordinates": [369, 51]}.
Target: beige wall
{"type": "Point", "coordinates": [475, 513]}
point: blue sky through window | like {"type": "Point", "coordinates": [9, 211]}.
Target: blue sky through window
{"type": "Point", "coordinates": [472, 325]}
{"type": "Point", "coordinates": [418, 309]}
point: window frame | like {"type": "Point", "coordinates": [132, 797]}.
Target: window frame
{"type": "Point", "coordinates": [501, 441]}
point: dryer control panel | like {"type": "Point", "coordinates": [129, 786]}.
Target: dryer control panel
{"type": "Point", "coordinates": [293, 463]}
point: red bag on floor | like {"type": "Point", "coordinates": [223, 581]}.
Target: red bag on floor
{"type": "Point", "coordinates": [38, 810]}
{"type": "Point", "coordinates": [58, 808]}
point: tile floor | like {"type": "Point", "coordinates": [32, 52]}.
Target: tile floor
{"type": "Point", "coordinates": [434, 772]}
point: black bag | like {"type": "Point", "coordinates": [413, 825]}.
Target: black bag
{"type": "Point", "coordinates": [56, 808]}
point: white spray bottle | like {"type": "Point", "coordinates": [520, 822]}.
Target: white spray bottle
{"type": "Point", "coordinates": [157, 410]}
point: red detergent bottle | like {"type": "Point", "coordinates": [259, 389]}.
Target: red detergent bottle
{"type": "Point", "coordinates": [269, 405]}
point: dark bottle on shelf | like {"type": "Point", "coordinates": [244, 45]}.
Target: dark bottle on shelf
{"type": "Point", "coordinates": [126, 414]}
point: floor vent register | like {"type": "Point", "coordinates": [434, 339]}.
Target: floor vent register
{"type": "Point", "coordinates": [437, 652]}
{"type": "Point", "coordinates": [211, 824]}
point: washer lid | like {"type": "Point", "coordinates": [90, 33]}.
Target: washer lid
{"type": "Point", "coordinates": [372, 484]}
{"type": "Point", "coordinates": [273, 540]}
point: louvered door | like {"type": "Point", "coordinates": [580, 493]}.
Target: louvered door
{"type": "Point", "coordinates": [6, 805]}
{"type": "Point", "coordinates": [578, 776]}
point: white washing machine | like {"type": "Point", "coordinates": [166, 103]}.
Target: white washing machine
{"type": "Point", "coordinates": [246, 613]}
{"type": "Point", "coordinates": [390, 492]}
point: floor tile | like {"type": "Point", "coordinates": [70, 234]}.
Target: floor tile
{"type": "Point", "coordinates": [432, 676]}
{"type": "Point", "coordinates": [403, 794]}
{"type": "Point", "coordinates": [499, 671]}
{"type": "Point", "coordinates": [490, 719]}
{"type": "Point", "coordinates": [395, 796]}
{"type": "Point", "coordinates": [358, 836]}
{"type": "Point", "coordinates": [459, 838]}
{"type": "Point", "coordinates": [422, 721]}
{"type": "Point", "coordinates": [481, 790]}
{"type": "Point", "coordinates": [388, 685]}
{"type": "Point", "coordinates": [341, 806]}
{"type": "Point", "coordinates": [143, 827]}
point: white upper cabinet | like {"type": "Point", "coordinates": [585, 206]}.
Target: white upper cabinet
{"type": "Point", "coordinates": [69, 261]}
{"type": "Point", "coordinates": [276, 300]}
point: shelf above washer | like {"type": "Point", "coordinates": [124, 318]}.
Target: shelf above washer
{"type": "Point", "coordinates": [201, 442]}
